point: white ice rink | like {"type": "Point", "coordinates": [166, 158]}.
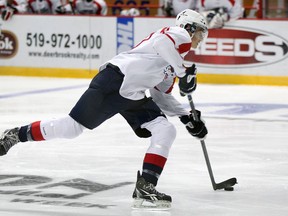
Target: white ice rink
{"type": "Point", "coordinates": [94, 174]}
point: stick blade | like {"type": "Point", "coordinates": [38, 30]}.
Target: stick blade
{"type": "Point", "coordinates": [226, 184]}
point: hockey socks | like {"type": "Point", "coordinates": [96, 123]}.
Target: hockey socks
{"type": "Point", "coordinates": [31, 132]}
{"type": "Point", "coordinates": [65, 127]}
{"type": "Point", "coordinates": [152, 167]}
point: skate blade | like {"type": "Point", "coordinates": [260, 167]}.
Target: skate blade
{"type": "Point", "coordinates": [155, 205]}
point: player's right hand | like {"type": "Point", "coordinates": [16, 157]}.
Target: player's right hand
{"type": "Point", "coordinates": [195, 128]}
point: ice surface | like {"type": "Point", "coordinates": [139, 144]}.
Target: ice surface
{"type": "Point", "coordinates": [94, 174]}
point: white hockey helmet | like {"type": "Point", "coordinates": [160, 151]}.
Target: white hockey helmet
{"type": "Point", "coordinates": [191, 21]}
{"type": "Point", "coordinates": [124, 12]}
{"type": "Point", "coordinates": [134, 12]}
{"type": "Point", "coordinates": [130, 12]}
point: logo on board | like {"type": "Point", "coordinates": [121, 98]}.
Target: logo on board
{"type": "Point", "coordinates": [125, 34]}
{"type": "Point", "coordinates": [239, 47]}
{"type": "Point", "coordinates": [8, 44]}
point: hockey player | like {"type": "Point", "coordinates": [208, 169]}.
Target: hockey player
{"type": "Point", "coordinates": [8, 8]}
{"type": "Point", "coordinates": [120, 87]}
{"type": "Point", "coordinates": [216, 12]}
{"type": "Point", "coordinates": [44, 6]}
{"type": "Point", "coordinates": [96, 7]}
{"type": "Point", "coordinates": [173, 7]}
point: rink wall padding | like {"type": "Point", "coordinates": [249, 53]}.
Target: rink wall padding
{"type": "Point", "coordinates": [244, 52]}
{"type": "Point", "coordinates": [47, 72]}
{"type": "Point", "coordinates": [242, 79]}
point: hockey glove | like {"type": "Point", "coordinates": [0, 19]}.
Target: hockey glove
{"type": "Point", "coordinates": [187, 84]}
{"type": "Point", "coordinates": [216, 17]}
{"type": "Point", "coordinates": [216, 22]}
{"type": "Point", "coordinates": [195, 128]}
{"type": "Point", "coordinates": [60, 10]}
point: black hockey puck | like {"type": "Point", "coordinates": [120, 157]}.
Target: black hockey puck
{"type": "Point", "coordinates": [229, 189]}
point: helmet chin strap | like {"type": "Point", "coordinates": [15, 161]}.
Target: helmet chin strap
{"type": "Point", "coordinates": [190, 28]}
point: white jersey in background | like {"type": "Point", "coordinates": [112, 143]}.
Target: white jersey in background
{"type": "Point", "coordinates": [234, 7]}
{"type": "Point", "coordinates": [7, 10]}
{"type": "Point", "coordinates": [216, 12]}
{"type": "Point", "coordinates": [43, 6]}
{"type": "Point", "coordinates": [20, 5]}
{"type": "Point", "coordinates": [148, 64]}
{"type": "Point", "coordinates": [180, 5]}
{"type": "Point", "coordinates": [97, 7]}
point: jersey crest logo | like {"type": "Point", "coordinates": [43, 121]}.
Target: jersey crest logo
{"type": "Point", "coordinates": [168, 72]}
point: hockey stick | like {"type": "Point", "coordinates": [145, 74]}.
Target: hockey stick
{"type": "Point", "coordinates": [228, 184]}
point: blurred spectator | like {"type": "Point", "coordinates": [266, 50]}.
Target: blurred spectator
{"type": "Point", "coordinates": [10, 7]}
{"type": "Point", "coordinates": [97, 7]}
{"type": "Point", "coordinates": [44, 6]}
{"type": "Point", "coordinates": [174, 7]}
{"type": "Point", "coordinates": [130, 12]}
{"type": "Point", "coordinates": [216, 12]}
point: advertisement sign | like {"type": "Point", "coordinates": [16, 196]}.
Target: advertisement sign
{"type": "Point", "coordinates": [44, 42]}
{"type": "Point", "coordinates": [125, 34]}
{"type": "Point", "coordinates": [244, 51]}
{"type": "Point", "coordinates": [8, 45]}
{"type": "Point", "coordinates": [244, 47]}
{"type": "Point", "coordinates": [240, 47]}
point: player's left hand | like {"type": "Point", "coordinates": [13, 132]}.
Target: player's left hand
{"type": "Point", "coordinates": [188, 83]}
{"type": "Point", "coordinates": [195, 128]}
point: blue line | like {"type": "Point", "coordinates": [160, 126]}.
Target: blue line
{"type": "Point", "coordinates": [41, 91]}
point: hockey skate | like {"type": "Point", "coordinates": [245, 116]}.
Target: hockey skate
{"type": "Point", "coordinates": [8, 139]}
{"type": "Point", "coordinates": [147, 197]}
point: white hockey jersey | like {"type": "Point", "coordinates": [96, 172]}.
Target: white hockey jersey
{"type": "Point", "coordinates": [153, 60]}
{"type": "Point", "coordinates": [180, 5]}
{"type": "Point", "coordinates": [43, 6]}
{"type": "Point", "coordinates": [20, 5]}
{"type": "Point", "coordinates": [97, 7]}
{"type": "Point", "coordinates": [234, 7]}
{"type": "Point", "coordinates": [163, 97]}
